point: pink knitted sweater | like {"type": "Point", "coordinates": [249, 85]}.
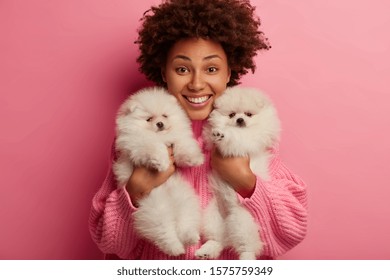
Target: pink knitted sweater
{"type": "Point", "coordinates": [279, 206]}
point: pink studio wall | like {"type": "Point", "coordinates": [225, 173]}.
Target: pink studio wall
{"type": "Point", "coordinates": [65, 66]}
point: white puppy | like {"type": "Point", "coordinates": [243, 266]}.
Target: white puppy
{"type": "Point", "coordinates": [148, 122]}
{"type": "Point", "coordinates": [243, 123]}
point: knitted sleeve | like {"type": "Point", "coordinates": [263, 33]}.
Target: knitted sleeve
{"type": "Point", "coordinates": [110, 220]}
{"type": "Point", "coordinates": [280, 208]}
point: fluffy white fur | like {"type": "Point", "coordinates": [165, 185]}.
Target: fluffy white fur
{"type": "Point", "coordinates": [148, 122]}
{"type": "Point", "coordinates": [243, 123]}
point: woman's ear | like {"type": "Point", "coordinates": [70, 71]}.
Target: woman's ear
{"type": "Point", "coordinates": [163, 75]}
{"type": "Point", "coordinates": [229, 75]}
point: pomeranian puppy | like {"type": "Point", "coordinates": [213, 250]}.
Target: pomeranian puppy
{"type": "Point", "coordinates": [243, 123]}
{"type": "Point", "coordinates": [147, 123]}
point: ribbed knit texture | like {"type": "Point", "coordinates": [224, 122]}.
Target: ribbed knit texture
{"type": "Point", "coordinates": [279, 206]}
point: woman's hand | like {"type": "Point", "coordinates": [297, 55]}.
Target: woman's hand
{"type": "Point", "coordinates": [143, 180]}
{"type": "Point", "coordinates": [235, 171]}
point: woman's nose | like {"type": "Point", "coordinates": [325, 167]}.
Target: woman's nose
{"type": "Point", "coordinates": [197, 82]}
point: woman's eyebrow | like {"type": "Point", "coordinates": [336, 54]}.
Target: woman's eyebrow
{"type": "Point", "coordinates": [211, 57]}
{"type": "Point", "coordinates": [189, 59]}
{"type": "Point", "coordinates": [182, 57]}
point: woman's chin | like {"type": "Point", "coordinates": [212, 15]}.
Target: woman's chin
{"type": "Point", "coordinates": [198, 115]}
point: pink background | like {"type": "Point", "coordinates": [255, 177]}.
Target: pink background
{"type": "Point", "coordinates": [65, 66]}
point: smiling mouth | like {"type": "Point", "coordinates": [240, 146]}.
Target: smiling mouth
{"type": "Point", "coordinates": [197, 100]}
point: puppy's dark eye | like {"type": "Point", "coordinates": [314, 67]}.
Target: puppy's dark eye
{"type": "Point", "coordinates": [231, 115]}
{"type": "Point", "coordinates": [249, 114]}
{"type": "Point", "coordinates": [165, 116]}
{"type": "Point", "coordinates": [150, 119]}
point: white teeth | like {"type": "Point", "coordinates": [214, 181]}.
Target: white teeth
{"type": "Point", "coordinates": [198, 100]}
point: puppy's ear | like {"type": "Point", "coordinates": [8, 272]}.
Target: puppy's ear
{"type": "Point", "coordinates": [172, 98]}
{"type": "Point", "coordinates": [217, 104]}
{"type": "Point", "coordinates": [128, 108]}
{"type": "Point", "coordinates": [259, 103]}
{"type": "Point", "coordinates": [133, 106]}
{"type": "Point", "coordinates": [260, 100]}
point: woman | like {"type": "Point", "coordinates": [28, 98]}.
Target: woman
{"type": "Point", "coordinates": [196, 49]}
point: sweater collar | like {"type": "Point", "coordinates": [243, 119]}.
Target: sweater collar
{"type": "Point", "coordinates": [197, 127]}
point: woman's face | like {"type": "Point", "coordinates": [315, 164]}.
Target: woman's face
{"type": "Point", "coordinates": [196, 73]}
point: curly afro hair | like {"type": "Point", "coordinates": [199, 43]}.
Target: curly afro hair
{"type": "Point", "coordinates": [232, 23]}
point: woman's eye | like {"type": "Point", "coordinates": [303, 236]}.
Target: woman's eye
{"type": "Point", "coordinates": [231, 115]}
{"type": "Point", "coordinates": [249, 114]}
{"type": "Point", "coordinates": [149, 119]}
{"type": "Point", "coordinates": [212, 69]}
{"type": "Point", "coordinates": [181, 70]}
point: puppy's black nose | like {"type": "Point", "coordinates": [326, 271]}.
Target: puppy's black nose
{"type": "Point", "coordinates": [240, 122]}
{"type": "Point", "coordinates": [160, 125]}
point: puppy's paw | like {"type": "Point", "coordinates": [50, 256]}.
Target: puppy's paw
{"type": "Point", "coordinates": [247, 256]}
{"type": "Point", "coordinates": [217, 135]}
{"type": "Point", "coordinates": [197, 159]}
{"type": "Point", "coordinates": [159, 164]}
{"type": "Point", "coordinates": [174, 249]}
{"type": "Point", "coordinates": [159, 160]}
{"type": "Point", "coordinates": [191, 238]}
{"type": "Point", "coordinates": [192, 159]}
{"type": "Point", "coordinates": [188, 154]}
{"type": "Point", "coordinates": [210, 250]}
